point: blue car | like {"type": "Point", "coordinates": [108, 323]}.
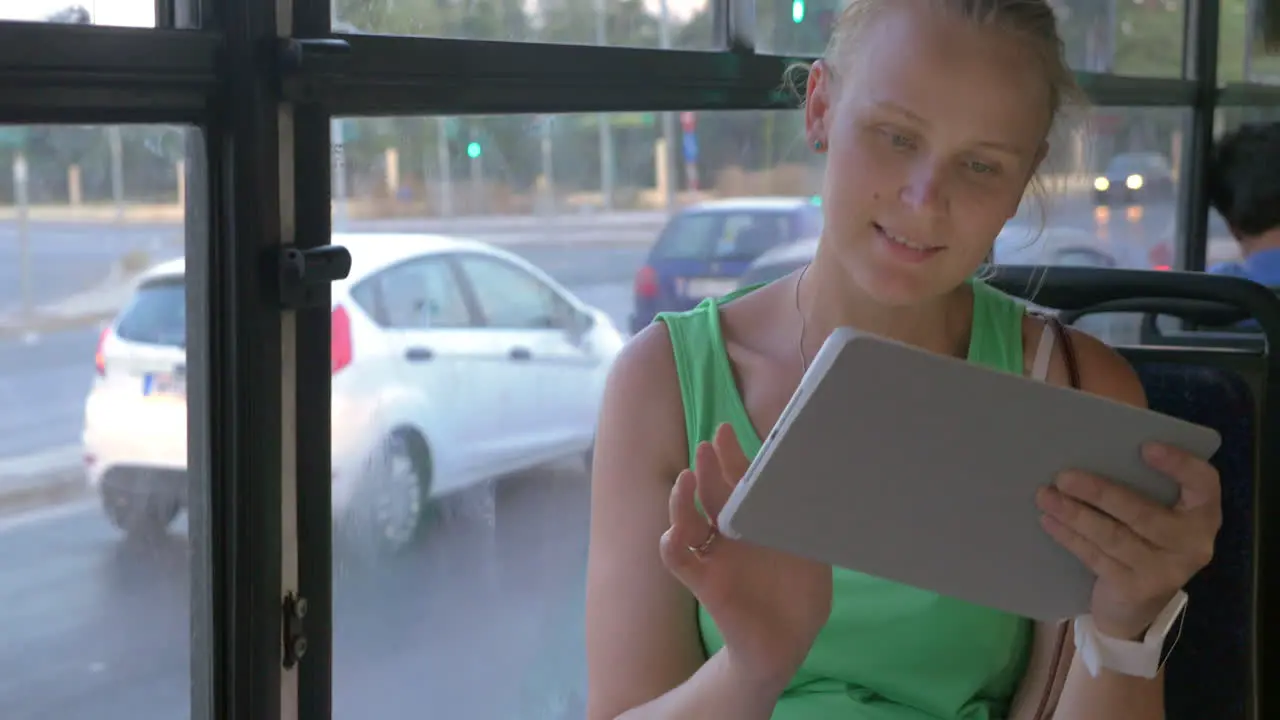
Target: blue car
{"type": "Point", "coordinates": [704, 248]}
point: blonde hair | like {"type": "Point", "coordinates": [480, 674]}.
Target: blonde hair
{"type": "Point", "coordinates": [1033, 21]}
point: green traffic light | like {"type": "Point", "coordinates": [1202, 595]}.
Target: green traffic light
{"type": "Point", "coordinates": [797, 11]}
{"type": "Point", "coordinates": [473, 150]}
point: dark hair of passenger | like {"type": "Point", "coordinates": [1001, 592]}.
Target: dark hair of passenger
{"type": "Point", "coordinates": [1244, 179]}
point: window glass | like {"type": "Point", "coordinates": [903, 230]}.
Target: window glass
{"type": "Point", "coordinates": [1124, 37]}
{"type": "Point", "coordinates": [423, 294]}
{"type": "Point", "coordinates": [1224, 252]}
{"type": "Point", "coordinates": [157, 314]}
{"type": "Point", "coordinates": [130, 13]}
{"type": "Point", "coordinates": [721, 235]}
{"type": "Point", "coordinates": [508, 296]}
{"type": "Point", "coordinates": [95, 547]}
{"type": "Point", "coordinates": [475, 610]}
{"type": "Point", "coordinates": [1242, 53]}
{"type": "Point", "coordinates": [679, 24]}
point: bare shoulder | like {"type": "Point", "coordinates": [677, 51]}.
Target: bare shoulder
{"type": "Point", "coordinates": [642, 406]}
{"type": "Point", "coordinates": [1103, 371]}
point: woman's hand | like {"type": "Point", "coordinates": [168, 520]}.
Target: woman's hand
{"type": "Point", "coordinates": [1142, 552]}
{"type": "Point", "coordinates": [768, 605]}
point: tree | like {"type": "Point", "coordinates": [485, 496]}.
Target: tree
{"type": "Point", "coordinates": [72, 15]}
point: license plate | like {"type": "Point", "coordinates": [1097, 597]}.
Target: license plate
{"type": "Point", "coordinates": [165, 384]}
{"type": "Point", "coordinates": [710, 287]}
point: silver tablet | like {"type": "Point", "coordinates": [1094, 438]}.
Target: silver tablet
{"type": "Point", "coordinates": [923, 469]}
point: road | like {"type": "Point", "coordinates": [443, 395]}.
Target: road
{"type": "Point", "coordinates": [62, 258]}
{"type": "Point", "coordinates": [483, 621]}
{"type": "Point", "coordinates": [43, 380]}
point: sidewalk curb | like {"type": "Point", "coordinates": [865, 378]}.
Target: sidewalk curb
{"type": "Point", "coordinates": [41, 480]}
{"type": "Point", "coordinates": [56, 323]}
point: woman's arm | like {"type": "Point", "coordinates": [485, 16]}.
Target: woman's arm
{"type": "Point", "coordinates": [1110, 696]}
{"type": "Point", "coordinates": [645, 657]}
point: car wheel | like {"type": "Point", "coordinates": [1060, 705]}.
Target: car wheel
{"type": "Point", "coordinates": [396, 488]}
{"type": "Point", "coordinates": [139, 515]}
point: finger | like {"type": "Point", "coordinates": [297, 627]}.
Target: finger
{"type": "Point", "coordinates": [1100, 563]}
{"type": "Point", "coordinates": [713, 489]}
{"type": "Point", "coordinates": [733, 461]}
{"type": "Point", "coordinates": [1106, 533]}
{"type": "Point", "coordinates": [688, 529]}
{"type": "Point", "coordinates": [1201, 487]}
{"type": "Point", "coordinates": [1150, 520]}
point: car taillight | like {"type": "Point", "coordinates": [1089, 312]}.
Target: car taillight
{"type": "Point", "coordinates": [340, 349]}
{"type": "Point", "coordinates": [1161, 257]}
{"type": "Point", "coordinates": [99, 359]}
{"type": "Point", "coordinates": [646, 282]}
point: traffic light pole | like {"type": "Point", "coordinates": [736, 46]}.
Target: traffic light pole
{"type": "Point", "coordinates": [668, 117]}
{"type": "Point", "coordinates": [602, 120]}
{"type": "Point", "coordinates": [446, 172]}
{"type": "Point", "coordinates": [477, 178]}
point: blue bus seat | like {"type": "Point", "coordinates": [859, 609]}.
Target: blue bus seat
{"type": "Point", "coordinates": [1233, 386]}
{"type": "Point", "coordinates": [1210, 673]}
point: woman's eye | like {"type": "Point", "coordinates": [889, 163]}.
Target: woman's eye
{"type": "Point", "coordinates": [982, 168]}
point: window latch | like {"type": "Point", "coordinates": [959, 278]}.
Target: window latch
{"type": "Point", "coordinates": [305, 273]}
{"type": "Point", "coordinates": [298, 53]}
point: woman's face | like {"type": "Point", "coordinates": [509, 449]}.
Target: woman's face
{"type": "Point", "coordinates": [933, 127]}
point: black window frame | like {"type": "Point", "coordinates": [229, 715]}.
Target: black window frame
{"type": "Point", "coordinates": [261, 90]}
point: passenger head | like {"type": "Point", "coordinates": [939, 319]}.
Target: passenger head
{"type": "Point", "coordinates": [1244, 184]}
{"type": "Point", "coordinates": [935, 116]}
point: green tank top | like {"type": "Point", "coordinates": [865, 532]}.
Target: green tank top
{"type": "Point", "coordinates": [888, 651]}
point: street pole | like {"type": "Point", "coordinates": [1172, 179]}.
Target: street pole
{"type": "Point", "coordinates": [477, 182]}
{"type": "Point", "coordinates": [117, 170]}
{"type": "Point", "coordinates": [548, 171]}
{"type": "Point", "coordinates": [1250, 13]}
{"type": "Point", "coordinates": [1113, 19]}
{"type": "Point", "coordinates": [20, 201]}
{"type": "Point", "coordinates": [602, 119]}
{"type": "Point", "coordinates": [668, 118]}
{"type": "Point", "coordinates": [339, 172]}
{"type": "Point", "coordinates": [446, 172]}
{"type": "Point", "coordinates": [338, 157]}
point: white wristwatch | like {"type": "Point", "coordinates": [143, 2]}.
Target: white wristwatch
{"type": "Point", "coordinates": [1128, 657]}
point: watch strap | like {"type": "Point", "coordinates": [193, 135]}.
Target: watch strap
{"type": "Point", "coordinates": [1140, 658]}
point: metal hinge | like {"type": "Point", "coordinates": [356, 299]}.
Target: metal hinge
{"type": "Point", "coordinates": [304, 273]}
{"type": "Point", "coordinates": [295, 634]}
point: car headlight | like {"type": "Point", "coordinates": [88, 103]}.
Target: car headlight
{"type": "Point", "coordinates": [1101, 184]}
{"type": "Point", "coordinates": [1133, 182]}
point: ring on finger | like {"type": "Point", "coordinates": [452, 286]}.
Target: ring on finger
{"type": "Point", "coordinates": [701, 550]}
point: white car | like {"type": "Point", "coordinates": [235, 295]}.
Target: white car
{"type": "Point", "coordinates": [453, 362]}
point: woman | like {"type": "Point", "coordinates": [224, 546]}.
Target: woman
{"type": "Point", "coordinates": [935, 115]}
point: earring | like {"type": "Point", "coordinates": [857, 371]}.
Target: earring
{"type": "Point", "coordinates": [817, 145]}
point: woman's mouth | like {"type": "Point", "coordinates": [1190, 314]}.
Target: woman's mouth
{"type": "Point", "coordinates": [905, 248]}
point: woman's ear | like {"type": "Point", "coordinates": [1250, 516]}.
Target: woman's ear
{"type": "Point", "coordinates": [817, 105]}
